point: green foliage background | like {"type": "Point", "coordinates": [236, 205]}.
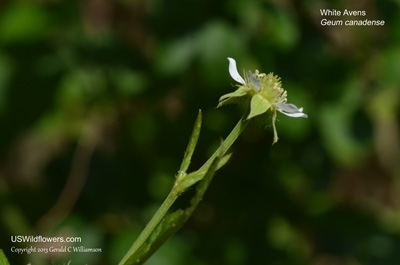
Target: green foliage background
{"type": "Point", "coordinates": [98, 99]}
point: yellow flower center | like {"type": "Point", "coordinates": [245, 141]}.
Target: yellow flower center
{"type": "Point", "coordinates": [270, 87]}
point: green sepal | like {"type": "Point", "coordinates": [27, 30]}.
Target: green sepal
{"type": "Point", "coordinates": [3, 258]}
{"type": "Point", "coordinates": [232, 98]}
{"type": "Point", "coordinates": [258, 105]}
{"type": "Point", "coordinates": [274, 128]}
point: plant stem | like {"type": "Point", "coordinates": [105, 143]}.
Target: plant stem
{"type": "Point", "coordinates": [155, 220]}
{"type": "Point", "coordinates": [228, 141]}
{"type": "Point", "coordinates": [172, 196]}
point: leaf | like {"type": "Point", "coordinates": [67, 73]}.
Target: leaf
{"type": "Point", "coordinates": [258, 105]}
{"type": "Point", "coordinates": [192, 144]}
{"type": "Point", "coordinates": [170, 224]}
{"type": "Point", "coordinates": [3, 258]}
{"type": "Point", "coordinates": [237, 130]}
{"type": "Point", "coordinates": [164, 230]}
{"type": "Point", "coordinates": [198, 175]}
{"type": "Point", "coordinates": [203, 185]}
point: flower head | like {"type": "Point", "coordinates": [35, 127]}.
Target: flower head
{"type": "Point", "coordinates": [265, 93]}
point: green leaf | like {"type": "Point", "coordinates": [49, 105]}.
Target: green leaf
{"type": "Point", "coordinates": [3, 258]}
{"type": "Point", "coordinates": [192, 144]}
{"type": "Point", "coordinates": [203, 185]}
{"type": "Point", "coordinates": [164, 230]}
{"type": "Point", "coordinates": [198, 175]}
{"type": "Point", "coordinates": [170, 224]}
{"type": "Point", "coordinates": [258, 105]}
{"type": "Point", "coordinates": [227, 142]}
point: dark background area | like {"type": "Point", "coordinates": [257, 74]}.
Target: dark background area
{"type": "Point", "coordinates": [98, 99]}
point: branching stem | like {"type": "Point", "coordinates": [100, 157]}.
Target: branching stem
{"type": "Point", "coordinates": [173, 195]}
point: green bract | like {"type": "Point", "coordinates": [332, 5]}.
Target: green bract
{"type": "Point", "coordinates": [265, 93]}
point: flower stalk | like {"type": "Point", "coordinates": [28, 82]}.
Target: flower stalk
{"type": "Point", "coordinates": [264, 96]}
{"type": "Point", "coordinates": [182, 182]}
{"type": "Point", "coordinates": [151, 225]}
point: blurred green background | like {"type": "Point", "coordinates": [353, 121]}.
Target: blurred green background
{"type": "Point", "coordinates": [98, 99]}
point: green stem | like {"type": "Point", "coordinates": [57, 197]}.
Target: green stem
{"type": "Point", "coordinates": [172, 196]}
{"type": "Point", "coordinates": [228, 141]}
{"type": "Point", "coordinates": [150, 226]}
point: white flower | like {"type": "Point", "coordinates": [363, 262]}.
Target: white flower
{"type": "Point", "coordinates": [265, 93]}
{"type": "Point", "coordinates": [256, 81]}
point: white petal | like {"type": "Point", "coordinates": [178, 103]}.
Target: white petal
{"type": "Point", "coordinates": [294, 115]}
{"type": "Point", "coordinates": [234, 72]}
{"type": "Point", "coordinates": [291, 108]}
